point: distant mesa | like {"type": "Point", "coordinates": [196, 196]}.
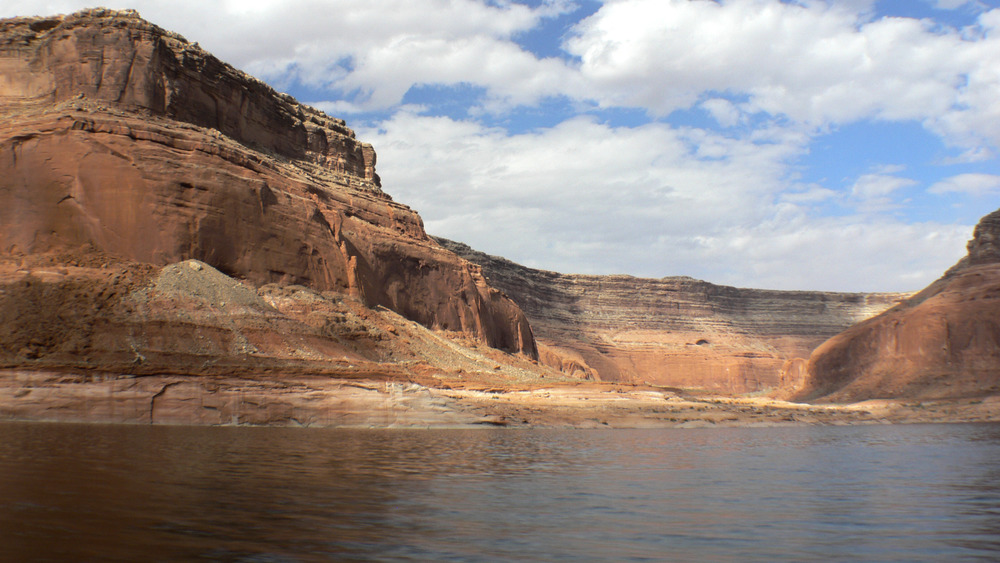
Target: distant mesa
{"type": "Point", "coordinates": [674, 331]}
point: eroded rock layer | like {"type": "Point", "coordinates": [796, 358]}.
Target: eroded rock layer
{"type": "Point", "coordinates": [673, 331]}
{"type": "Point", "coordinates": [125, 138]}
{"type": "Point", "coordinates": [944, 342]}
{"type": "Point", "coordinates": [90, 315]}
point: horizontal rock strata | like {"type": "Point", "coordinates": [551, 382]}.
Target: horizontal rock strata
{"type": "Point", "coordinates": [674, 331]}
{"type": "Point", "coordinates": [179, 243]}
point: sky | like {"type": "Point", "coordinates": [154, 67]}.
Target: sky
{"type": "Point", "coordinates": [839, 145]}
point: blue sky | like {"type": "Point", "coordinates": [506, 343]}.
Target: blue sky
{"type": "Point", "coordinates": [845, 145]}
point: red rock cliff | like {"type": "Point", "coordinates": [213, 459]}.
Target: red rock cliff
{"type": "Point", "coordinates": [673, 331]}
{"type": "Point", "coordinates": [119, 135]}
{"type": "Point", "coordinates": [944, 342]}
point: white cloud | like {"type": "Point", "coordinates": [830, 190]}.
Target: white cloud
{"type": "Point", "coordinates": [588, 198]}
{"type": "Point", "coordinates": [815, 63]}
{"type": "Point", "coordinates": [848, 253]}
{"type": "Point", "coordinates": [507, 71]}
{"type": "Point", "coordinates": [723, 111]}
{"type": "Point", "coordinates": [813, 193]}
{"type": "Point", "coordinates": [970, 184]}
{"type": "Point", "coordinates": [872, 192]}
{"type": "Point", "coordinates": [377, 50]}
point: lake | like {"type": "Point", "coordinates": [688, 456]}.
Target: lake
{"type": "Point", "coordinates": [807, 493]}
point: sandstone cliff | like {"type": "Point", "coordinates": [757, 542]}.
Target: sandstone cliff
{"type": "Point", "coordinates": [164, 215]}
{"type": "Point", "coordinates": [944, 342]}
{"type": "Point", "coordinates": [89, 313]}
{"type": "Point", "coordinates": [125, 139]}
{"type": "Point", "coordinates": [674, 331]}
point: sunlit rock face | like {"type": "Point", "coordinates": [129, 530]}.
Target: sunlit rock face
{"type": "Point", "coordinates": [674, 331]}
{"type": "Point", "coordinates": [943, 342]}
{"type": "Point", "coordinates": [126, 138]}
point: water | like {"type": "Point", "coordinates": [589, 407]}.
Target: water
{"type": "Point", "coordinates": [134, 493]}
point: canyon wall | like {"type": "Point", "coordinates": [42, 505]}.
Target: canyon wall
{"type": "Point", "coordinates": [119, 137]}
{"type": "Point", "coordinates": [128, 154]}
{"type": "Point", "coordinates": [944, 342]}
{"type": "Point", "coordinates": [674, 331]}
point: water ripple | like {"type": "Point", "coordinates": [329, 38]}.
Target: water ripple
{"type": "Point", "coordinates": [125, 493]}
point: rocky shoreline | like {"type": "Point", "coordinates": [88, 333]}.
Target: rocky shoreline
{"type": "Point", "coordinates": [317, 401]}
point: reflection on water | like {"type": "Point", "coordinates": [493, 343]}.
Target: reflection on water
{"type": "Point", "coordinates": [127, 493]}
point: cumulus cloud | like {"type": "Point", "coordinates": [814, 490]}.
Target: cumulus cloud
{"type": "Point", "coordinates": [970, 184]}
{"type": "Point", "coordinates": [812, 62]}
{"type": "Point", "coordinates": [372, 53]}
{"type": "Point", "coordinates": [873, 192]}
{"type": "Point", "coordinates": [723, 111]}
{"type": "Point", "coordinates": [616, 173]}
{"type": "Point", "coordinates": [815, 63]}
{"type": "Point", "coordinates": [842, 254]}
{"type": "Point", "coordinates": [589, 198]}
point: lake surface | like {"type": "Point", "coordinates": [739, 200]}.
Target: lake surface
{"type": "Point", "coordinates": [140, 493]}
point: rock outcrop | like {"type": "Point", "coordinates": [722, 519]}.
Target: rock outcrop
{"type": "Point", "coordinates": [944, 342]}
{"type": "Point", "coordinates": [92, 318]}
{"type": "Point", "coordinates": [674, 331]}
{"type": "Point", "coordinates": [127, 139]}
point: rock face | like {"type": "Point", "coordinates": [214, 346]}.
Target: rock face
{"type": "Point", "coordinates": [91, 318]}
{"type": "Point", "coordinates": [673, 331]}
{"type": "Point", "coordinates": [944, 342]}
{"type": "Point", "coordinates": [164, 399]}
{"type": "Point", "coordinates": [164, 215]}
{"type": "Point", "coordinates": [124, 138]}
